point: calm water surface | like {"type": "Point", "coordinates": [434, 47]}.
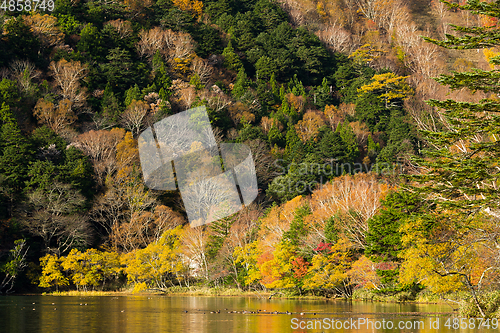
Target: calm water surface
{"type": "Point", "coordinates": [167, 314]}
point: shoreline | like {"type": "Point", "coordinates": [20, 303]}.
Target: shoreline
{"type": "Point", "coordinates": [364, 296]}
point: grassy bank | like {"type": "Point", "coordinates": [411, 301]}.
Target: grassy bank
{"type": "Point", "coordinates": [191, 291]}
{"type": "Point", "coordinates": [358, 295]}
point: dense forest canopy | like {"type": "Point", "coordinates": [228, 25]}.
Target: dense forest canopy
{"type": "Point", "coordinates": [363, 185]}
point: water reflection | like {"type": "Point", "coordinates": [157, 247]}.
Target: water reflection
{"type": "Point", "coordinates": [168, 314]}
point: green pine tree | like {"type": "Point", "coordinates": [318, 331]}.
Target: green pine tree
{"type": "Point", "coordinates": [461, 173]}
{"type": "Point", "coordinates": [349, 139]}
{"type": "Point", "coordinates": [241, 85]}
{"type": "Point", "coordinates": [15, 151]}
{"type": "Point", "coordinates": [231, 59]}
{"type": "Point", "coordinates": [463, 160]}
{"type": "Point", "coordinates": [133, 93]}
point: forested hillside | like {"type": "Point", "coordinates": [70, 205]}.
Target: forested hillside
{"type": "Point", "coordinates": [364, 187]}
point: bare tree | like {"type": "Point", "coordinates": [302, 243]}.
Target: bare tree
{"type": "Point", "coordinates": [133, 118]}
{"type": "Point", "coordinates": [194, 244]}
{"type": "Point", "coordinates": [144, 228]}
{"type": "Point", "coordinates": [123, 28]}
{"type": "Point", "coordinates": [100, 146]}
{"type": "Point", "coordinates": [52, 214]}
{"type": "Point", "coordinates": [262, 159]}
{"type": "Point", "coordinates": [150, 41]}
{"type": "Point", "coordinates": [218, 101]}
{"type": "Point", "coordinates": [57, 118]}
{"type": "Point", "coordinates": [124, 199]}
{"type": "Point", "coordinates": [171, 44]}
{"type": "Point", "coordinates": [67, 75]}
{"type": "Point", "coordinates": [354, 199]}
{"type": "Point", "coordinates": [45, 28]}
{"type": "Point", "coordinates": [201, 68]}
{"type": "Point", "coordinates": [184, 93]}
{"type": "Point", "coordinates": [337, 38]}
{"type": "Point", "coordinates": [24, 72]}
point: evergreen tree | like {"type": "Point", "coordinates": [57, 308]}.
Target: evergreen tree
{"type": "Point", "coordinates": [92, 42]}
{"type": "Point", "coordinates": [266, 67]}
{"type": "Point", "coordinates": [371, 111]}
{"type": "Point", "coordinates": [383, 241]}
{"type": "Point", "coordinates": [15, 152]}
{"type": "Point", "coordinates": [349, 139]}
{"type": "Point", "coordinates": [119, 70]}
{"type": "Point", "coordinates": [161, 78]}
{"type": "Point", "coordinates": [321, 95]}
{"type": "Point", "coordinates": [133, 93]}
{"type": "Point", "coordinates": [111, 108]}
{"type": "Point", "coordinates": [400, 141]}
{"type": "Point", "coordinates": [332, 147]}
{"type": "Point", "coordinates": [231, 59]}
{"type": "Point", "coordinates": [21, 42]}
{"type": "Point", "coordinates": [462, 160]}
{"type": "Point", "coordinates": [331, 230]}
{"type": "Point", "coordinates": [298, 228]}
{"type": "Point", "coordinates": [294, 148]}
{"type": "Point", "coordinates": [241, 85]}
{"type": "Point", "coordinates": [8, 92]}
{"type": "Point", "coordinates": [275, 137]}
{"type": "Point", "coordinates": [461, 174]}
{"type": "Point", "coordinates": [373, 148]}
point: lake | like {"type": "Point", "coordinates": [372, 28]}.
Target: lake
{"type": "Point", "coordinates": [230, 314]}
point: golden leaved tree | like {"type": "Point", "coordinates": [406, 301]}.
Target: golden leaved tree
{"type": "Point", "coordinates": [157, 265]}
{"type": "Point", "coordinates": [389, 87]}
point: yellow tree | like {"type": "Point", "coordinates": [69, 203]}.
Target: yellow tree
{"type": "Point", "coordinates": [110, 266]}
{"type": "Point", "coordinates": [248, 256]}
{"type": "Point", "coordinates": [158, 264]}
{"type": "Point", "coordinates": [91, 268]}
{"type": "Point", "coordinates": [366, 54]}
{"type": "Point", "coordinates": [52, 274]}
{"type": "Point", "coordinates": [392, 89]}
{"type": "Point", "coordinates": [363, 274]}
{"type": "Point", "coordinates": [126, 196]}
{"type": "Point", "coordinates": [278, 271]}
{"type": "Point", "coordinates": [277, 222]}
{"type": "Point", "coordinates": [445, 256]}
{"type": "Point", "coordinates": [194, 7]}
{"type": "Point", "coordinates": [334, 115]}
{"type": "Point", "coordinates": [297, 103]}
